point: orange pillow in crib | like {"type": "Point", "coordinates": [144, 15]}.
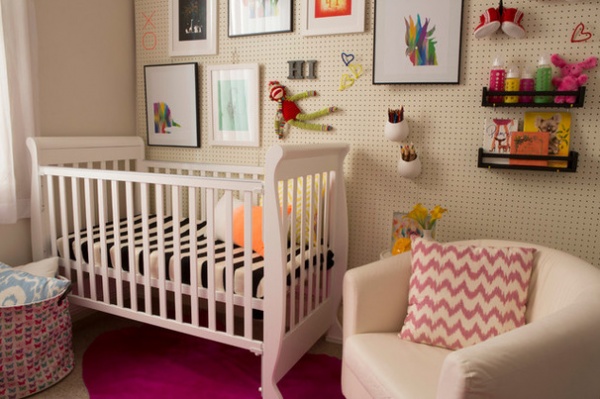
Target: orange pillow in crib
{"type": "Point", "coordinates": [257, 228]}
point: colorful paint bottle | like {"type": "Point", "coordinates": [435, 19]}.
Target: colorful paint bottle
{"type": "Point", "coordinates": [497, 78]}
{"type": "Point", "coordinates": [512, 84]}
{"type": "Point", "coordinates": [527, 83]}
{"type": "Point", "coordinates": [543, 79]}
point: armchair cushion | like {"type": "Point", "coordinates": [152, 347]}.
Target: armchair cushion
{"type": "Point", "coordinates": [463, 295]}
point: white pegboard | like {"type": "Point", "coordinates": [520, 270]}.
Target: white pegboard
{"type": "Point", "coordinates": [446, 121]}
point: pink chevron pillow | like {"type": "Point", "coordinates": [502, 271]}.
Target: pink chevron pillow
{"type": "Point", "coordinates": [463, 295]}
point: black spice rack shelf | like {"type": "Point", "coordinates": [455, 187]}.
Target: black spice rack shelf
{"type": "Point", "coordinates": [571, 160]}
{"type": "Point", "coordinates": [579, 98]}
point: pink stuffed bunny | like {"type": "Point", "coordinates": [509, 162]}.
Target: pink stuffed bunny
{"type": "Point", "coordinates": [571, 76]}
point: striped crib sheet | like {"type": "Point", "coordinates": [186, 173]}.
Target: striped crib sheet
{"type": "Point", "coordinates": [183, 238]}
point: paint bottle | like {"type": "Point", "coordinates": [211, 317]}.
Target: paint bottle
{"type": "Point", "coordinates": [497, 78]}
{"type": "Point", "coordinates": [512, 84]}
{"type": "Point", "coordinates": [543, 79]}
{"type": "Point", "coordinates": [527, 83]}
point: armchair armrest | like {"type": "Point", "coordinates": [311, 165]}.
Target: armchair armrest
{"type": "Point", "coordinates": [376, 296]}
{"type": "Point", "coordinates": [554, 357]}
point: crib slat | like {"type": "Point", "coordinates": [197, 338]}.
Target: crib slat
{"type": "Point", "coordinates": [131, 248]}
{"type": "Point", "coordinates": [102, 205]}
{"type": "Point", "coordinates": [64, 227]}
{"type": "Point", "coordinates": [176, 259]}
{"type": "Point", "coordinates": [52, 214]}
{"type": "Point", "coordinates": [248, 264]}
{"type": "Point", "coordinates": [77, 227]}
{"type": "Point", "coordinates": [146, 248]}
{"type": "Point", "coordinates": [210, 284]}
{"type": "Point", "coordinates": [160, 215]}
{"type": "Point", "coordinates": [118, 272]}
{"type": "Point", "coordinates": [229, 320]}
{"type": "Point", "coordinates": [293, 228]}
{"type": "Point", "coordinates": [89, 222]}
{"type": "Point", "coordinates": [193, 256]}
{"type": "Point", "coordinates": [315, 237]}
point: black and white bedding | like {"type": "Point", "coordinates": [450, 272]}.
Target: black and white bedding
{"type": "Point", "coordinates": [184, 245]}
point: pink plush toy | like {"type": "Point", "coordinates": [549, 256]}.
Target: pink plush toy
{"type": "Point", "coordinates": [571, 76]}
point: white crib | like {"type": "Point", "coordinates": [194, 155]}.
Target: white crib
{"type": "Point", "coordinates": [92, 195]}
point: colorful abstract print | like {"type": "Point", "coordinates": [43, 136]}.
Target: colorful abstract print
{"type": "Point", "coordinates": [420, 44]}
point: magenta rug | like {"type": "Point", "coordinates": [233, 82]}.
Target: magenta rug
{"type": "Point", "coordinates": [149, 362]}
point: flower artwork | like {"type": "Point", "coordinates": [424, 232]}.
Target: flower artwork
{"type": "Point", "coordinates": [416, 221]}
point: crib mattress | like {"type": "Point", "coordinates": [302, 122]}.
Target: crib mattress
{"type": "Point", "coordinates": [138, 257]}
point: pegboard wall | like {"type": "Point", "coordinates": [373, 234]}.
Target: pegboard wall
{"type": "Point", "coordinates": [560, 210]}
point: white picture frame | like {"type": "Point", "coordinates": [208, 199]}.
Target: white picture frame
{"type": "Point", "coordinates": [193, 27]}
{"type": "Point", "coordinates": [397, 59]}
{"type": "Point", "coordinates": [324, 18]}
{"type": "Point", "coordinates": [233, 101]}
{"type": "Point", "coordinates": [247, 18]}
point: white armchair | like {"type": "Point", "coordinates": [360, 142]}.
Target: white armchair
{"type": "Point", "coordinates": [556, 355]}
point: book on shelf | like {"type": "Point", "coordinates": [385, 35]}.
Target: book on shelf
{"type": "Point", "coordinates": [558, 126]}
{"type": "Point", "coordinates": [529, 143]}
{"type": "Point", "coordinates": [496, 137]}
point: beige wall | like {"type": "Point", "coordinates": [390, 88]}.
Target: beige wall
{"type": "Point", "coordinates": [559, 210]}
{"type": "Point", "coordinates": [86, 82]}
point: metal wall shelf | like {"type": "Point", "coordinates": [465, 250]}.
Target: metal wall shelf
{"type": "Point", "coordinates": [571, 160]}
{"type": "Point", "coordinates": [579, 94]}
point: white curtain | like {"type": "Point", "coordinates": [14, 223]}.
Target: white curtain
{"type": "Point", "coordinates": [18, 97]}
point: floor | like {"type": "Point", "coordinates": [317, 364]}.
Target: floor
{"type": "Point", "coordinates": [84, 333]}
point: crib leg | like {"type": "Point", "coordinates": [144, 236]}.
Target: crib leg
{"type": "Point", "coordinates": [270, 390]}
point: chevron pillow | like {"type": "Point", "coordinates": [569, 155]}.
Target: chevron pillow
{"type": "Point", "coordinates": [463, 295]}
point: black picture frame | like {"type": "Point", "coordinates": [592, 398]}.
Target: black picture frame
{"type": "Point", "coordinates": [172, 112]}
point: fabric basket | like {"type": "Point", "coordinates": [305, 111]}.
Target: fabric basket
{"type": "Point", "coordinates": [36, 348]}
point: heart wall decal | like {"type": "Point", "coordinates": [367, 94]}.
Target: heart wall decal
{"type": "Point", "coordinates": [347, 58]}
{"type": "Point", "coordinates": [580, 34]}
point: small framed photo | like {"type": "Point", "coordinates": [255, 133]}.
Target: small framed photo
{"type": "Point", "coordinates": [233, 104]}
{"type": "Point", "coordinates": [331, 17]}
{"type": "Point", "coordinates": [417, 41]}
{"type": "Point", "coordinates": [193, 27]}
{"type": "Point", "coordinates": [257, 17]}
{"type": "Point", "coordinates": [172, 111]}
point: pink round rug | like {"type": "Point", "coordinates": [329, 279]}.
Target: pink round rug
{"type": "Point", "coordinates": [151, 362]}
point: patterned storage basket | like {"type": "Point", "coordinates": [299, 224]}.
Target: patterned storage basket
{"type": "Point", "coordinates": [35, 346]}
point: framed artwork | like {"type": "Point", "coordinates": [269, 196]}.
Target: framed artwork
{"type": "Point", "coordinates": [233, 105]}
{"type": "Point", "coordinates": [417, 41]}
{"type": "Point", "coordinates": [403, 227]}
{"type": "Point", "coordinates": [330, 17]}
{"type": "Point", "coordinates": [172, 105]}
{"type": "Point", "coordinates": [193, 29]}
{"type": "Point", "coordinates": [257, 17]}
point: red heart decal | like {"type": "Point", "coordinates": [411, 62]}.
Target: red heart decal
{"type": "Point", "coordinates": [580, 35]}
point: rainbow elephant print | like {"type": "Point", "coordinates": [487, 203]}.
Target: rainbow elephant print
{"type": "Point", "coordinates": [163, 118]}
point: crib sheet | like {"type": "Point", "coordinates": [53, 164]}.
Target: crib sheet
{"type": "Point", "coordinates": [183, 238]}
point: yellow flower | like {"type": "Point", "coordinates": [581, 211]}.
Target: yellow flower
{"type": "Point", "coordinates": [401, 245]}
{"type": "Point", "coordinates": [436, 213]}
{"type": "Point", "coordinates": [423, 217]}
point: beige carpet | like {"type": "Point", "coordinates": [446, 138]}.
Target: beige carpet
{"type": "Point", "coordinates": [86, 330]}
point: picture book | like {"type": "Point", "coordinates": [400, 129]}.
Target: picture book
{"type": "Point", "coordinates": [529, 143]}
{"type": "Point", "coordinates": [496, 137]}
{"type": "Point", "coordinates": [558, 125]}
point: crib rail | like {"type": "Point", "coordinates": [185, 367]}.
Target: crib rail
{"type": "Point", "coordinates": [79, 199]}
